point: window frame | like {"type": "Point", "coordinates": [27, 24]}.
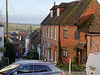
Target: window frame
{"type": "Point", "coordinates": [65, 32]}
{"type": "Point", "coordinates": [77, 35]}
{"type": "Point", "coordinates": [65, 53]}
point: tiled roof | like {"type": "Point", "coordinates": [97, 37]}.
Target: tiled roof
{"type": "Point", "coordinates": [92, 25]}
{"type": "Point", "coordinates": [63, 5]}
{"type": "Point", "coordinates": [70, 15]}
{"type": "Point", "coordinates": [54, 7]}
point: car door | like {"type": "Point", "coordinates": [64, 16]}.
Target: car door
{"type": "Point", "coordinates": [24, 70]}
{"type": "Point", "coordinates": [42, 70]}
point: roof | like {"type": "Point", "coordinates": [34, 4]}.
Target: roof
{"type": "Point", "coordinates": [92, 25]}
{"type": "Point", "coordinates": [81, 45]}
{"type": "Point", "coordinates": [63, 5]}
{"type": "Point", "coordinates": [35, 33]}
{"type": "Point", "coordinates": [70, 15]}
{"type": "Point", "coordinates": [36, 40]}
{"type": "Point", "coordinates": [1, 25]}
{"type": "Point", "coordinates": [54, 7]}
{"type": "Point", "coordinates": [30, 61]}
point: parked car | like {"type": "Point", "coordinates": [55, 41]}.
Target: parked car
{"type": "Point", "coordinates": [93, 64]}
{"type": "Point", "coordinates": [24, 55]}
{"type": "Point", "coordinates": [31, 67]}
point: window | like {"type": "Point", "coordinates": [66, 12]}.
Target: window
{"type": "Point", "coordinates": [77, 35]}
{"type": "Point", "coordinates": [48, 32]}
{"type": "Point", "coordinates": [55, 32]}
{"type": "Point", "coordinates": [65, 53]}
{"type": "Point", "coordinates": [41, 68]}
{"type": "Point", "coordinates": [51, 32]}
{"type": "Point", "coordinates": [24, 69]}
{"type": "Point", "coordinates": [58, 12]}
{"type": "Point", "coordinates": [65, 33]}
{"type": "Point", "coordinates": [43, 30]}
{"type": "Point", "coordinates": [51, 13]}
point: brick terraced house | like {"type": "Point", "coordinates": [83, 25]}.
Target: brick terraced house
{"type": "Point", "coordinates": [70, 25]}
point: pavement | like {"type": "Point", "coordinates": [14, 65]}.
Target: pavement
{"type": "Point", "coordinates": [76, 73]}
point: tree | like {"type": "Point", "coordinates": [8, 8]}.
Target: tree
{"type": "Point", "coordinates": [33, 55]}
{"type": "Point", "coordinates": [10, 52]}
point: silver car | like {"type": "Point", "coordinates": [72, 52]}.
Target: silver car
{"type": "Point", "coordinates": [31, 67]}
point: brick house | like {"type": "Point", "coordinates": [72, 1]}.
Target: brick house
{"type": "Point", "coordinates": [68, 23]}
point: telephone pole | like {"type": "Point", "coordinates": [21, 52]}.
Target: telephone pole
{"type": "Point", "coordinates": [7, 18]}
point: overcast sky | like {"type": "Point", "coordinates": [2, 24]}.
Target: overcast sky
{"type": "Point", "coordinates": [28, 11]}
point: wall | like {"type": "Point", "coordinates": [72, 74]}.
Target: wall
{"type": "Point", "coordinates": [52, 42]}
{"type": "Point", "coordinates": [69, 42]}
{"type": "Point", "coordinates": [2, 41]}
{"type": "Point", "coordinates": [93, 44]}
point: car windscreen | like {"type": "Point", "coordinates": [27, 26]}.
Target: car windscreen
{"type": "Point", "coordinates": [8, 68]}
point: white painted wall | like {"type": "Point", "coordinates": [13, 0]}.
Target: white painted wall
{"type": "Point", "coordinates": [2, 41]}
{"type": "Point", "coordinates": [26, 45]}
{"type": "Point", "coordinates": [39, 50]}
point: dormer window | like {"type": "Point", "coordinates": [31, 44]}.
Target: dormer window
{"type": "Point", "coordinates": [58, 12]}
{"type": "Point", "coordinates": [51, 13]}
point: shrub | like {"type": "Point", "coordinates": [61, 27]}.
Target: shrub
{"type": "Point", "coordinates": [10, 52]}
{"type": "Point", "coordinates": [33, 55]}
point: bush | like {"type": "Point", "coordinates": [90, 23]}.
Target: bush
{"type": "Point", "coordinates": [10, 52]}
{"type": "Point", "coordinates": [33, 55]}
{"type": "Point", "coordinates": [74, 67]}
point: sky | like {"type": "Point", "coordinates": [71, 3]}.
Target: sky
{"type": "Point", "coordinates": [28, 11]}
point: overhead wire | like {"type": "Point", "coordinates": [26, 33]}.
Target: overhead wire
{"type": "Point", "coordinates": [14, 13]}
{"type": "Point", "coordinates": [2, 5]}
{"type": "Point", "coordinates": [28, 6]}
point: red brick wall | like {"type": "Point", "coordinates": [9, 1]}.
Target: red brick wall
{"type": "Point", "coordinates": [52, 42]}
{"type": "Point", "coordinates": [69, 42]}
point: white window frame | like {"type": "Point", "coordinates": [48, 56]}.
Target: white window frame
{"type": "Point", "coordinates": [51, 32]}
{"type": "Point", "coordinates": [55, 33]}
{"type": "Point", "coordinates": [51, 13]}
{"type": "Point", "coordinates": [48, 32]}
{"type": "Point", "coordinates": [58, 12]}
{"type": "Point", "coordinates": [64, 53]}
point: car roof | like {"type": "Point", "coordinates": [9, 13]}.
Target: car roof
{"type": "Point", "coordinates": [32, 62]}
{"type": "Point", "coordinates": [95, 54]}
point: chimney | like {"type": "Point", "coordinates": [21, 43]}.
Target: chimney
{"type": "Point", "coordinates": [54, 3]}
{"type": "Point", "coordinates": [31, 28]}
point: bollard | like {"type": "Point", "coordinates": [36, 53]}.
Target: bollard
{"type": "Point", "coordinates": [69, 65]}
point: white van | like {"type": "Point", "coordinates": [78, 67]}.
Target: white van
{"type": "Point", "coordinates": [93, 64]}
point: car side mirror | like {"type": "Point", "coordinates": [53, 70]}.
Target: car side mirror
{"type": "Point", "coordinates": [14, 73]}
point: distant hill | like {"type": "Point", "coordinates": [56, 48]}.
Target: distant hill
{"type": "Point", "coordinates": [22, 27]}
{"type": "Point", "coordinates": [24, 24]}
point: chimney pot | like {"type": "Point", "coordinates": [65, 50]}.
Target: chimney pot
{"type": "Point", "coordinates": [54, 3]}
